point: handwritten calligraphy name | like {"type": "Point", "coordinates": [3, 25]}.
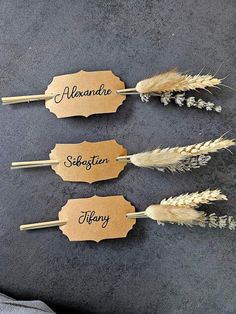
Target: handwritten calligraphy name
{"type": "Point", "coordinates": [90, 217]}
{"type": "Point", "coordinates": [88, 164]}
{"type": "Point", "coordinates": [73, 92]}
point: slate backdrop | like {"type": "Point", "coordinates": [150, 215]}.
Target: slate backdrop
{"type": "Point", "coordinates": [156, 269]}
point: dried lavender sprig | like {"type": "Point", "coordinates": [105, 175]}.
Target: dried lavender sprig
{"type": "Point", "coordinates": [212, 221]}
{"type": "Point", "coordinates": [189, 163]}
{"type": "Point", "coordinates": [195, 162]}
{"type": "Point", "coordinates": [181, 100]}
{"type": "Point", "coordinates": [221, 222]}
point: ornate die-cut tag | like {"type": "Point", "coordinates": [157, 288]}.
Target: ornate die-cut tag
{"type": "Point", "coordinates": [84, 93]}
{"type": "Point", "coordinates": [96, 218]}
{"type": "Point", "coordinates": [88, 161]}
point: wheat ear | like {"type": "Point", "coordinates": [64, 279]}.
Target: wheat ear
{"type": "Point", "coordinates": [179, 158]}
{"type": "Point", "coordinates": [204, 148]}
{"type": "Point", "coordinates": [173, 81]}
{"type": "Point", "coordinates": [194, 199]}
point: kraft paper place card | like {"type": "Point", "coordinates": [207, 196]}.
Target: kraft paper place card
{"type": "Point", "coordinates": [95, 218]}
{"type": "Point", "coordinates": [79, 94]}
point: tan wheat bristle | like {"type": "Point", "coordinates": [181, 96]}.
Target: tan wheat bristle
{"type": "Point", "coordinates": [158, 158]}
{"type": "Point", "coordinates": [173, 214]}
{"type": "Point", "coordinates": [173, 81]}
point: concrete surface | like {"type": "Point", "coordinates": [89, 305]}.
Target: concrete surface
{"type": "Point", "coordinates": [166, 270]}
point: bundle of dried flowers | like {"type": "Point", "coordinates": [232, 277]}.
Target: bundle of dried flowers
{"type": "Point", "coordinates": [167, 86]}
{"type": "Point", "coordinates": [178, 159]}
{"type": "Point", "coordinates": [181, 210]}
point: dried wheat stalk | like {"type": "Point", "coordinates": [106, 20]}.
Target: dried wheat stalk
{"type": "Point", "coordinates": [178, 158]}
{"type": "Point", "coordinates": [173, 81]}
{"type": "Point", "coordinates": [181, 210]}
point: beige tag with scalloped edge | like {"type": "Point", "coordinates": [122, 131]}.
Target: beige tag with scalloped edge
{"type": "Point", "coordinates": [88, 161]}
{"type": "Point", "coordinates": [84, 93]}
{"type": "Point", "coordinates": [96, 218]}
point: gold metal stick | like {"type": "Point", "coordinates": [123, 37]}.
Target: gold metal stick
{"type": "Point", "coordinates": [126, 90]}
{"type": "Point", "coordinates": [136, 215]}
{"type": "Point", "coordinates": [123, 158]}
{"type": "Point", "coordinates": [22, 99]}
{"type": "Point", "coordinates": [33, 164]}
{"type": "Point", "coordinates": [40, 225]}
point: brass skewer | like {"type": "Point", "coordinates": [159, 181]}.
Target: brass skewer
{"type": "Point", "coordinates": [33, 164]}
{"type": "Point", "coordinates": [22, 99]}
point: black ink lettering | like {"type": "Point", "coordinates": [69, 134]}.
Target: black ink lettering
{"type": "Point", "coordinates": [87, 163]}
{"type": "Point", "coordinates": [74, 93]}
{"type": "Point", "coordinates": [90, 217]}
{"type": "Point", "coordinates": [69, 164]}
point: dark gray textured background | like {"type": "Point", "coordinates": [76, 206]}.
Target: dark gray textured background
{"type": "Point", "coordinates": [166, 270]}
